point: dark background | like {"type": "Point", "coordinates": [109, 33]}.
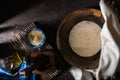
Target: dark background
{"type": "Point", "coordinates": [46, 11]}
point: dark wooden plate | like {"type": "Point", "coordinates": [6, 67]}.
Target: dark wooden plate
{"type": "Point", "coordinates": [63, 37]}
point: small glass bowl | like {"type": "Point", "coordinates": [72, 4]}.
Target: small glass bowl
{"type": "Point", "coordinates": [35, 37]}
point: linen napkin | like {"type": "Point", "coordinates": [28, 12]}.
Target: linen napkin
{"type": "Point", "coordinates": [110, 37]}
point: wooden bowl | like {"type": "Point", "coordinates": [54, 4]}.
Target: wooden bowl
{"type": "Point", "coordinates": [64, 29]}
